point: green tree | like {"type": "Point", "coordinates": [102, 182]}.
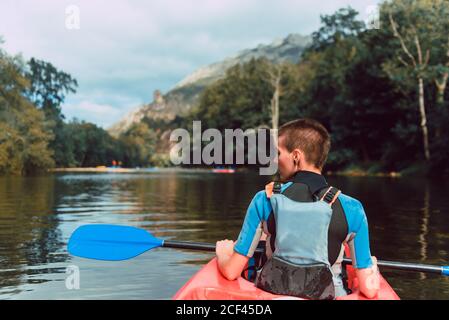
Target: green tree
{"type": "Point", "coordinates": [340, 82]}
{"type": "Point", "coordinates": [90, 145]}
{"type": "Point", "coordinates": [244, 98]}
{"type": "Point", "coordinates": [47, 91]}
{"type": "Point", "coordinates": [24, 132]}
{"type": "Point", "coordinates": [416, 26]}
{"type": "Point", "coordinates": [139, 143]}
{"type": "Point", "coordinates": [341, 25]}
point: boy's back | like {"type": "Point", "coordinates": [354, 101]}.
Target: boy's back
{"type": "Point", "coordinates": [307, 223]}
{"type": "Point", "coordinates": [348, 224]}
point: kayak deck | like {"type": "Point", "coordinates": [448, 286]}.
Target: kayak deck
{"type": "Point", "coordinates": [209, 284]}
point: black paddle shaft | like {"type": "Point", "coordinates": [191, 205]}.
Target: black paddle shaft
{"type": "Point", "coordinates": [405, 266]}
{"type": "Point", "coordinates": [189, 245]}
{"type": "Point", "coordinates": [387, 264]}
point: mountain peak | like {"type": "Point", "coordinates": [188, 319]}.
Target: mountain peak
{"type": "Point", "coordinates": [186, 93]}
{"type": "Point", "coordinates": [280, 50]}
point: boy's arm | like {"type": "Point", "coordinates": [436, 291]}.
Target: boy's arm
{"type": "Point", "coordinates": [233, 257]}
{"type": "Point", "coordinates": [365, 265]}
{"type": "Point", "coordinates": [230, 263]}
{"type": "Point", "coordinates": [369, 280]}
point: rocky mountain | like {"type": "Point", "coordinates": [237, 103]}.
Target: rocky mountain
{"type": "Point", "coordinates": [187, 92]}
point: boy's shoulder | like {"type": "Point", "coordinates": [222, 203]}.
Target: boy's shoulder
{"type": "Point", "coordinates": [348, 199]}
{"type": "Point", "coordinates": [351, 206]}
{"type": "Point", "coordinates": [268, 191]}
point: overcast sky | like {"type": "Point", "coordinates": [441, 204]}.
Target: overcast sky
{"type": "Point", "coordinates": [124, 50]}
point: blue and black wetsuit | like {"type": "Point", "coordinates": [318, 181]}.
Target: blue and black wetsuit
{"type": "Point", "coordinates": [348, 224]}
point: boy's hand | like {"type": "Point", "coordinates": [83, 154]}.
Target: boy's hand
{"type": "Point", "coordinates": [230, 263]}
{"type": "Point", "coordinates": [369, 279]}
{"type": "Point", "coordinates": [224, 248]}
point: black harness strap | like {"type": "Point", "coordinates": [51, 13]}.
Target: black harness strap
{"type": "Point", "coordinates": [277, 187]}
{"type": "Point", "coordinates": [330, 195]}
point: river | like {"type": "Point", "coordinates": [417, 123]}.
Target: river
{"type": "Point", "coordinates": [408, 218]}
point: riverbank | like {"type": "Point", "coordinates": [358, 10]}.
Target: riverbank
{"type": "Point", "coordinates": [361, 173]}
{"type": "Point", "coordinates": [416, 170]}
{"type": "Point", "coordinates": [348, 173]}
{"type": "Point", "coordinates": [125, 170]}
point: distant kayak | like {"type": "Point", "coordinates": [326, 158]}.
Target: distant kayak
{"type": "Point", "coordinates": [209, 284]}
{"type": "Point", "coordinates": [223, 170]}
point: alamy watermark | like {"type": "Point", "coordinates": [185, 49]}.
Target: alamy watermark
{"type": "Point", "coordinates": [72, 282]}
{"type": "Point", "coordinates": [72, 17]}
{"type": "Point", "coordinates": [230, 149]}
{"type": "Point", "coordinates": [372, 17]}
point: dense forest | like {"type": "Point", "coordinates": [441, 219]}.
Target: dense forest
{"type": "Point", "coordinates": [381, 92]}
{"type": "Point", "coordinates": [34, 135]}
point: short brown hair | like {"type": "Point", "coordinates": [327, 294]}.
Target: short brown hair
{"type": "Point", "coordinates": [310, 136]}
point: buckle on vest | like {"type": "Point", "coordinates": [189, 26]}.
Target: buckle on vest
{"type": "Point", "coordinates": [330, 195]}
{"type": "Point", "coordinates": [277, 187]}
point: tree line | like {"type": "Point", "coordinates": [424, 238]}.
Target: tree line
{"type": "Point", "coordinates": [35, 136]}
{"type": "Point", "coordinates": [382, 93]}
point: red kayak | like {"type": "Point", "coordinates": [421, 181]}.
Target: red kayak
{"type": "Point", "coordinates": [209, 284]}
{"type": "Point", "coordinates": [223, 170]}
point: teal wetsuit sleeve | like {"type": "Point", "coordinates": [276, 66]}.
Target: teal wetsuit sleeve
{"type": "Point", "coordinates": [258, 211]}
{"type": "Point", "coordinates": [358, 230]}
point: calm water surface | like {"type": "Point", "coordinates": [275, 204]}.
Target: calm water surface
{"type": "Point", "coordinates": [409, 221]}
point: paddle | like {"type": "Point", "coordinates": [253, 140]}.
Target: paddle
{"type": "Point", "coordinates": [114, 242]}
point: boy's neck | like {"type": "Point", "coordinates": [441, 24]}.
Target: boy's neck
{"type": "Point", "coordinates": [311, 169]}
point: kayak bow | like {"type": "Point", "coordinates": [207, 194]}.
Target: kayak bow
{"type": "Point", "coordinates": [209, 284]}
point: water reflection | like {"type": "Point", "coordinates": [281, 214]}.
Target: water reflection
{"type": "Point", "coordinates": [29, 236]}
{"type": "Point", "coordinates": [408, 222]}
{"type": "Point", "coordinates": [424, 226]}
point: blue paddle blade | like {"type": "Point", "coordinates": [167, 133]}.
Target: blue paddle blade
{"type": "Point", "coordinates": [445, 271]}
{"type": "Point", "coordinates": [111, 242]}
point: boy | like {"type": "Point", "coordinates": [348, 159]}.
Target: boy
{"type": "Point", "coordinates": [306, 224]}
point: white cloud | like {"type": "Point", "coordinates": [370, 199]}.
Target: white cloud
{"type": "Point", "coordinates": [101, 114]}
{"type": "Point", "coordinates": [96, 109]}
{"type": "Point", "coordinates": [124, 50]}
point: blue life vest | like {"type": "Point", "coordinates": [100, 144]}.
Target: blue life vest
{"type": "Point", "coordinates": [300, 265]}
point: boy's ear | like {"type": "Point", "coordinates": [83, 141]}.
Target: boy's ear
{"type": "Point", "coordinates": [297, 155]}
{"type": "Point", "coordinates": [269, 189]}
